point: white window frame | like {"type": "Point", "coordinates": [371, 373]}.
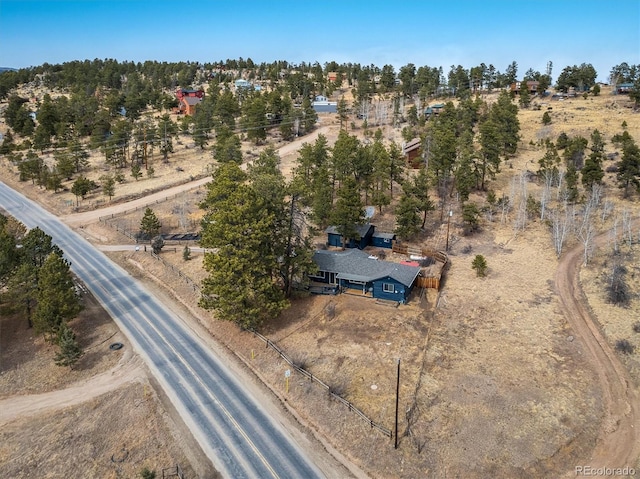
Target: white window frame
{"type": "Point", "coordinates": [386, 286]}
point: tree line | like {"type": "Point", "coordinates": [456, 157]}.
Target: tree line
{"type": "Point", "coordinates": [37, 284]}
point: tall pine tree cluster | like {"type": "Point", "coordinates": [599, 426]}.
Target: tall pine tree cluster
{"type": "Point", "coordinates": [37, 284]}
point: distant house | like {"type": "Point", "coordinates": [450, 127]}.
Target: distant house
{"type": "Point", "coordinates": [532, 86]}
{"type": "Point", "coordinates": [624, 88]}
{"type": "Point", "coordinates": [243, 84]}
{"type": "Point", "coordinates": [411, 152]}
{"type": "Point", "coordinates": [322, 105]}
{"type": "Point", "coordinates": [332, 76]}
{"type": "Point", "coordinates": [188, 100]}
{"type": "Point", "coordinates": [356, 272]}
{"type": "Point", "coordinates": [433, 110]}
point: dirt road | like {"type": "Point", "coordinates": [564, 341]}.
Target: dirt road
{"type": "Point", "coordinates": [128, 369]}
{"type": "Point", "coordinates": [619, 439]}
{"type": "Point", "coordinates": [76, 220]}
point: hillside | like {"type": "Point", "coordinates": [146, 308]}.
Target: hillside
{"type": "Point", "coordinates": [494, 377]}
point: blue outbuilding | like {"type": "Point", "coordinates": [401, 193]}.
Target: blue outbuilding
{"type": "Point", "coordinates": [363, 239]}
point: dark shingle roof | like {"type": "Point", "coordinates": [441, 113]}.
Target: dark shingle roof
{"type": "Point", "coordinates": [356, 265]}
{"type": "Point", "coordinates": [361, 229]}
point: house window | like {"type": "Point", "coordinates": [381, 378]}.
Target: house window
{"type": "Point", "coordinates": [388, 287]}
{"type": "Point", "coordinates": [319, 275]}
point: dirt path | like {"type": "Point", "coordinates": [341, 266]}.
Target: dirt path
{"type": "Point", "coordinates": [619, 439]}
{"type": "Point", "coordinates": [128, 369]}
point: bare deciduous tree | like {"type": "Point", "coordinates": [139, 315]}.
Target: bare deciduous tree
{"type": "Point", "coordinates": [561, 225]}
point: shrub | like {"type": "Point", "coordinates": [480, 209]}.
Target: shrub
{"type": "Point", "coordinates": [636, 327]}
{"type": "Point", "coordinates": [617, 288]}
{"type": "Point", "coordinates": [624, 346]}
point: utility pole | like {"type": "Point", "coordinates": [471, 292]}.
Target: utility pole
{"type": "Point", "coordinates": [397, 397]}
{"type": "Point", "coordinates": [448, 225]}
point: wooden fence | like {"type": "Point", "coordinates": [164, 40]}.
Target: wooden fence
{"type": "Point", "coordinates": [429, 278]}
{"type": "Point", "coordinates": [311, 377]}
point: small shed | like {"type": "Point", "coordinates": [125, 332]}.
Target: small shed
{"type": "Point", "coordinates": [382, 240]}
{"type": "Point", "coordinates": [365, 233]}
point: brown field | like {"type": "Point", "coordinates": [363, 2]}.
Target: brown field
{"type": "Point", "coordinates": [494, 381]}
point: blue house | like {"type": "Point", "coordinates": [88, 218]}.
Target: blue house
{"type": "Point", "coordinates": [356, 272]}
{"type": "Point", "coordinates": [365, 232]}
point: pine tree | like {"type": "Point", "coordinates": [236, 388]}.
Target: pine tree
{"type": "Point", "coordinates": [479, 264]}
{"type": "Point", "coordinates": [629, 167]}
{"type": "Point", "coordinates": [571, 182]}
{"type": "Point", "coordinates": [150, 224]}
{"type": "Point", "coordinates": [525, 96]}
{"type": "Point", "coordinates": [56, 296]}
{"type": "Point", "coordinates": [407, 217]}
{"type": "Point", "coordinates": [136, 170]}
{"type": "Point", "coordinates": [241, 286]}
{"type": "Point", "coordinates": [70, 350]}
{"type": "Point", "coordinates": [348, 212]}
{"type": "Point", "coordinates": [108, 186]}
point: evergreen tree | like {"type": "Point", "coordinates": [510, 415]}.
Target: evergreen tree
{"type": "Point", "coordinates": [150, 224]}
{"type": "Point", "coordinates": [64, 164]}
{"type": "Point", "coordinates": [419, 189]}
{"type": "Point", "coordinates": [525, 97]}
{"type": "Point", "coordinates": [21, 290]}
{"type": "Point", "coordinates": [56, 296]}
{"type": "Point", "coordinates": [464, 169]}
{"type": "Point", "coordinates": [348, 212]}
{"type": "Point", "coordinates": [571, 183]}
{"type": "Point", "coordinates": [471, 216]}
{"type": "Point", "coordinates": [136, 171]}
{"type": "Point", "coordinates": [505, 115]}
{"type": "Point", "coordinates": [490, 145]}
{"type": "Point", "coordinates": [242, 282]}
{"type": "Point", "coordinates": [407, 216]}
{"type": "Point", "coordinates": [442, 149]}
{"type": "Point", "coordinates": [253, 121]}
{"type": "Point", "coordinates": [479, 264]}
{"type": "Point", "coordinates": [81, 187]}
{"type": "Point", "coordinates": [546, 118]}
{"type": "Point", "coordinates": [592, 172]}
{"type": "Point", "coordinates": [108, 186]}
{"type": "Point", "coordinates": [9, 258]}
{"type": "Point", "coordinates": [70, 350]}
{"type": "Point", "coordinates": [36, 247]}
{"type": "Point", "coordinates": [629, 167]}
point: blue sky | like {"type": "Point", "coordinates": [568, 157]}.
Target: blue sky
{"type": "Point", "coordinates": [395, 32]}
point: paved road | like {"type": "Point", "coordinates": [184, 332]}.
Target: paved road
{"type": "Point", "coordinates": [239, 438]}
